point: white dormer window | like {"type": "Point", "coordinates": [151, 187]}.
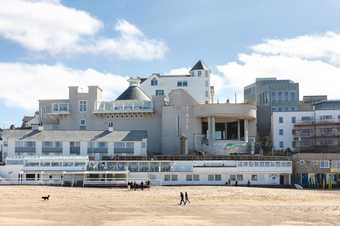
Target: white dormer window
{"type": "Point", "coordinates": [182, 83]}
{"type": "Point", "coordinates": [154, 82]}
{"type": "Point", "coordinates": [199, 73]}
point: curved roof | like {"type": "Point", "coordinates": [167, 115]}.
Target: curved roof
{"type": "Point", "coordinates": [133, 93]}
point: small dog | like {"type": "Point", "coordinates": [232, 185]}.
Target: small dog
{"type": "Point", "coordinates": [46, 197]}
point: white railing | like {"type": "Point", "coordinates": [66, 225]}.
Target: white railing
{"type": "Point", "coordinates": [119, 107]}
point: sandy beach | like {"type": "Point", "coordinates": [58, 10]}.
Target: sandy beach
{"type": "Point", "coordinates": [22, 205]}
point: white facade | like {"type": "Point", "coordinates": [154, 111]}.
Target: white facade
{"type": "Point", "coordinates": [23, 143]}
{"type": "Point", "coordinates": [82, 171]}
{"type": "Point", "coordinates": [283, 124]}
{"type": "Point", "coordinates": [197, 84]}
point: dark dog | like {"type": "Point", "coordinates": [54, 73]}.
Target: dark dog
{"type": "Point", "coordinates": [46, 197]}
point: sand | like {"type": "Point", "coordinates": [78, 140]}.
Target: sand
{"type": "Point", "coordinates": [22, 205]}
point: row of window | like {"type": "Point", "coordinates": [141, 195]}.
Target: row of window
{"type": "Point", "coordinates": [181, 83]}
{"type": "Point", "coordinates": [280, 109]}
{"type": "Point", "coordinates": [57, 146]}
{"type": "Point", "coordinates": [263, 164]}
{"type": "Point", "coordinates": [55, 164]}
{"type": "Point", "coordinates": [309, 118]}
{"type": "Point", "coordinates": [211, 177]}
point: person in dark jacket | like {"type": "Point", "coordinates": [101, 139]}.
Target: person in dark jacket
{"type": "Point", "coordinates": [186, 198]}
{"type": "Point", "coordinates": [182, 199]}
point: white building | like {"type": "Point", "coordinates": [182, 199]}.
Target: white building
{"type": "Point", "coordinates": [291, 129]}
{"type": "Point", "coordinates": [80, 171]}
{"type": "Point", "coordinates": [197, 83]}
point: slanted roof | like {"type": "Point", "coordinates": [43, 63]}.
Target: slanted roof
{"type": "Point", "coordinates": [199, 66]}
{"type": "Point", "coordinates": [76, 135]}
{"type": "Point", "coordinates": [133, 93]}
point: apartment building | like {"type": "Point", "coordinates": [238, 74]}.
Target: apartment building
{"type": "Point", "coordinates": [271, 95]}
{"type": "Point", "coordinates": [313, 130]}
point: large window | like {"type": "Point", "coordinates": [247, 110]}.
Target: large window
{"type": "Point", "coordinates": [281, 132]}
{"type": "Point", "coordinates": [293, 119]}
{"type": "Point", "coordinates": [123, 147]}
{"type": "Point", "coordinates": [154, 82]}
{"type": "Point", "coordinates": [280, 119]}
{"type": "Point", "coordinates": [83, 106]}
{"type": "Point", "coordinates": [281, 144]}
{"type": "Point", "coordinates": [159, 92]}
{"type": "Point", "coordinates": [182, 83]}
{"type": "Point", "coordinates": [324, 164]}
{"type": "Point", "coordinates": [74, 148]}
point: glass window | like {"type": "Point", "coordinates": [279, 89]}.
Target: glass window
{"type": "Point", "coordinates": [82, 122]}
{"type": "Point", "coordinates": [239, 177]}
{"type": "Point", "coordinates": [159, 92]}
{"type": "Point", "coordinates": [55, 107]}
{"type": "Point", "coordinates": [196, 177]}
{"type": "Point", "coordinates": [189, 177]}
{"type": "Point", "coordinates": [218, 177]}
{"type": "Point", "coordinates": [281, 132]}
{"type": "Point", "coordinates": [293, 119]}
{"type": "Point", "coordinates": [185, 83]}
{"type": "Point", "coordinates": [174, 177]}
{"type": "Point", "coordinates": [254, 177]}
{"type": "Point", "coordinates": [167, 177]}
{"type": "Point", "coordinates": [179, 83]}
{"type": "Point", "coordinates": [281, 144]}
{"type": "Point", "coordinates": [154, 82]}
{"type": "Point", "coordinates": [63, 107]}
{"type": "Point", "coordinates": [324, 164]}
{"type": "Point", "coordinates": [280, 119]}
{"type": "Point", "coordinates": [232, 177]}
{"type": "Point", "coordinates": [199, 73]}
{"type": "Point", "coordinates": [210, 177]}
{"type": "Point", "coordinates": [83, 106]}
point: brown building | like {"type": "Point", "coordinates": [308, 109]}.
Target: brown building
{"type": "Point", "coordinates": [317, 170]}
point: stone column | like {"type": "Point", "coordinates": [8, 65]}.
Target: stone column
{"type": "Point", "coordinates": [238, 130]}
{"type": "Point", "coordinates": [110, 148]}
{"type": "Point", "coordinates": [212, 130]}
{"type": "Point", "coordinates": [209, 130]}
{"type": "Point", "coordinates": [38, 148]}
{"type": "Point", "coordinates": [246, 130]}
{"type": "Point", "coordinates": [66, 148]}
{"type": "Point", "coordinates": [83, 148]}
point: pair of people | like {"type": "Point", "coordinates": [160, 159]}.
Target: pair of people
{"type": "Point", "coordinates": [184, 198]}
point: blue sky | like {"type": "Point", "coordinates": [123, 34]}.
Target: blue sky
{"type": "Point", "coordinates": [238, 40]}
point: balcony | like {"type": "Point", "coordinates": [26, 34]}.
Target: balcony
{"type": "Point", "coordinates": [97, 150]}
{"type": "Point", "coordinates": [59, 109]}
{"type": "Point", "coordinates": [20, 150]}
{"type": "Point", "coordinates": [317, 122]}
{"type": "Point", "coordinates": [53, 150]}
{"type": "Point", "coordinates": [123, 107]}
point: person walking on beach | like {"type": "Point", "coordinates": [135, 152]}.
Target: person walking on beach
{"type": "Point", "coordinates": [186, 198]}
{"type": "Point", "coordinates": [182, 199]}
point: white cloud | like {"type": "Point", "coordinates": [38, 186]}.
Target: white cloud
{"type": "Point", "coordinates": [45, 25]}
{"type": "Point", "coordinates": [315, 72]}
{"type": "Point", "coordinates": [179, 71]}
{"type": "Point", "coordinates": [324, 46]}
{"type": "Point", "coordinates": [131, 43]}
{"type": "Point", "coordinates": [49, 26]}
{"type": "Point", "coordinates": [22, 85]}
